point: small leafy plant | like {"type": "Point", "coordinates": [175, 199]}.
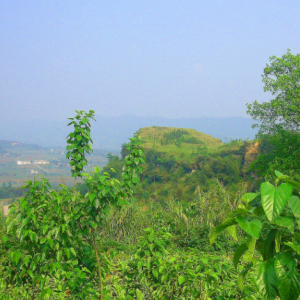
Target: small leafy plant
{"type": "Point", "coordinates": [52, 236]}
{"type": "Point", "coordinates": [271, 222]}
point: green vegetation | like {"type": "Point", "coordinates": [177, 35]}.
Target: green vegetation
{"type": "Point", "coordinates": [281, 78]}
{"type": "Point", "coordinates": [7, 191]}
{"type": "Point", "coordinates": [271, 223]}
{"type": "Point", "coordinates": [96, 241]}
{"type": "Point", "coordinates": [279, 119]}
{"type": "Point", "coordinates": [177, 171]}
{"type": "Point", "coordinates": [51, 235]}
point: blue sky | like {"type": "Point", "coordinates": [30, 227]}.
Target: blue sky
{"type": "Point", "coordinates": [147, 58]}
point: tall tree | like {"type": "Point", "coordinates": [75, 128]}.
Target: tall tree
{"type": "Point", "coordinates": [279, 119]}
{"type": "Point", "coordinates": [282, 79]}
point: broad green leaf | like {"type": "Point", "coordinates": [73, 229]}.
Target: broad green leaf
{"type": "Point", "coordinates": [274, 199]}
{"type": "Point", "coordinates": [293, 183]}
{"type": "Point", "coordinates": [84, 120]}
{"type": "Point", "coordinates": [294, 204]}
{"type": "Point", "coordinates": [218, 229]}
{"type": "Point", "coordinates": [78, 138]}
{"type": "Point", "coordinates": [268, 244]}
{"type": "Point", "coordinates": [265, 277]}
{"type": "Point", "coordinates": [293, 246]}
{"type": "Point", "coordinates": [232, 231]}
{"type": "Point", "coordinates": [253, 228]}
{"type": "Point", "coordinates": [247, 198]}
{"type": "Point", "coordinates": [288, 276]}
{"type": "Point", "coordinates": [284, 221]}
{"type": "Point", "coordinates": [239, 252]}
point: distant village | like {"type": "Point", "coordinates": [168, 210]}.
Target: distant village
{"type": "Point", "coordinates": [34, 162]}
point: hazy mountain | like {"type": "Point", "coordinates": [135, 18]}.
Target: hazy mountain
{"type": "Point", "coordinates": [110, 132]}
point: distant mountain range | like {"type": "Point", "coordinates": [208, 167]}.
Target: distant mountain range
{"type": "Point", "coordinates": [110, 132]}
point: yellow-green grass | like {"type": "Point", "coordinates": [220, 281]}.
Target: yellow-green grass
{"type": "Point", "coordinates": [151, 138]}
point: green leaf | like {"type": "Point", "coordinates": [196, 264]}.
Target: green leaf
{"type": "Point", "coordinates": [268, 246]}
{"type": "Point", "coordinates": [293, 246]}
{"type": "Point", "coordinates": [294, 204]}
{"type": "Point", "coordinates": [67, 251]}
{"type": "Point", "coordinates": [96, 169]}
{"type": "Point", "coordinates": [284, 221]}
{"type": "Point", "coordinates": [78, 138]}
{"type": "Point", "coordinates": [251, 242]}
{"type": "Point", "coordinates": [278, 174]}
{"type": "Point", "coordinates": [293, 183]}
{"type": "Point", "coordinates": [265, 277]}
{"type": "Point", "coordinates": [253, 228]}
{"type": "Point", "coordinates": [181, 279]}
{"type": "Point", "coordinates": [247, 198]}
{"type": "Point", "coordinates": [155, 273]}
{"type": "Point", "coordinates": [45, 229]}
{"type": "Point", "coordinates": [17, 256]}
{"type": "Point", "coordinates": [232, 231]}
{"type": "Point", "coordinates": [239, 252]}
{"type": "Point", "coordinates": [218, 229]}
{"type": "Point", "coordinates": [274, 199]}
{"type": "Point", "coordinates": [288, 276]}
{"type": "Point", "coordinates": [84, 120]}
{"type": "Point", "coordinates": [59, 255]}
{"type": "Point", "coordinates": [73, 251]}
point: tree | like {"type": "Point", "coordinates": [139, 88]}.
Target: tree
{"type": "Point", "coordinates": [282, 79]}
{"type": "Point", "coordinates": [279, 119]}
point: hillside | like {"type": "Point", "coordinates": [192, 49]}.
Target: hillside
{"type": "Point", "coordinates": [20, 162]}
{"type": "Point", "coordinates": [180, 142]}
{"type": "Point", "coordinates": [179, 161]}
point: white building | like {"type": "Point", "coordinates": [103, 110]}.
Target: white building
{"type": "Point", "coordinates": [19, 162]}
{"type": "Point", "coordinates": [41, 162]}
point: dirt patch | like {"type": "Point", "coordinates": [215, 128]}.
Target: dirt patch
{"type": "Point", "coordinates": [5, 209]}
{"type": "Point", "coordinates": [251, 154]}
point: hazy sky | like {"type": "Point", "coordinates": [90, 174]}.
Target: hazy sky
{"type": "Point", "coordinates": [148, 58]}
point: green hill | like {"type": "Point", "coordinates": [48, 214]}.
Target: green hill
{"type": "Point", "coordinates": [180, 142]}
{"type": "Point", "coordinates": [179, 161]}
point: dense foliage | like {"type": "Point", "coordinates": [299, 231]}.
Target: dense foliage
{"type": "Point", "coordinates": [270, 220]}
{"type": "Point", "coordinates": [51, 235]}
{"type": "Point", "coordinates": [281, 78]}
{"type": "Point", "coordinates": [278, 119]}
{"type": "Point", "coordinates": [278, 152]}
{"type": "Point", "coordinates": [96, 241]}
{"type": "Point", "coordinates": [8, 191]}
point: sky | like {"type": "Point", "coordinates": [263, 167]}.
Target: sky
{"type": "Point", "coordinates": [147, 58]}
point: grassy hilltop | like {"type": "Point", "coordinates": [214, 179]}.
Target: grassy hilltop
{"type": "Point", "coordinates": [180, 142]}
{"type": "Point", "coordinates": [179, 161]}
